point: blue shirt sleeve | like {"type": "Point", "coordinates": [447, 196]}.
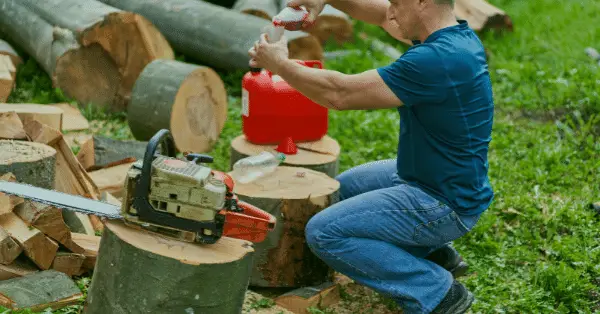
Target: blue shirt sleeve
{"type": "Point", "coordinates": [417, 77]}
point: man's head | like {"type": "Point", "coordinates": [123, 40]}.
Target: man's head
{"type": "Point", "coordinates": [415, 17]}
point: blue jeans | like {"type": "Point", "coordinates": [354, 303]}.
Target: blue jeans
{"type": "Point", "coordinates": [380, 231]}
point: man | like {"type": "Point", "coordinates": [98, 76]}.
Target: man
{"type": "Point", "coordinates": [391, 228]}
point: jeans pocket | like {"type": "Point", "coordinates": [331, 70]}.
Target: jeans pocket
{"type": "Point", "coordinates": [442, 230]}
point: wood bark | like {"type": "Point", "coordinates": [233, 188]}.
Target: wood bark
{"type": "Point", "coordinates": [322, 155]}
{"type": "Point", "coordinates": [482, 16]}
{"type": "Point", "coordinates": [38, 291]}
{"type": "Point", "coordinates": [211, 34]}
{"type": "Point", "coordinates": [284, 259]}
{"type": "Point", "coordinates": [49, 220]}
{"type": "Point", "coordinates": [187, 99]}
{"type": "Point", "coordinates": [7, 50]}
{"type": "Point", "coordinates": [46, 114]}
{"type": "Point", "coordinates": [265, 9]}
{"type": "Point", "coordinates": [31, 163]}
{"type": "Point", "coordinates": [38, 247]}
{"type": "Point", "coordinates": [84, 35]}
{"type": "Point", "coordinates": [178, 276]}
{"type": "Point", "coordinates": [100, 152]}
{"type": "Point", "coordinates": [18, 268]}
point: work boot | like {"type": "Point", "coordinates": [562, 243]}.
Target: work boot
{"type": "Point", "coordinates": [449, 258]}
{"type": "Point", "coordinates": [457, 301]}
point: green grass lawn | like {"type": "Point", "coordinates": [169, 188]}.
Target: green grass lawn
{"type": "Point", "coordinates": [537, 249]}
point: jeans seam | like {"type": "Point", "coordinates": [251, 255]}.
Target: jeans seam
{"type": "Point", "coordinates": [379, 280]}
{"type": "Point", "coordinates": [417, 231]}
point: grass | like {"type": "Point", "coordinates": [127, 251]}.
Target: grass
{"type": "Point", "coordinates": [537, 248]}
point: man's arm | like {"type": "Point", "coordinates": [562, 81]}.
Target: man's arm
{"type": "Point", "coordinates": [338, 91]}
{"type": "Point", "coordinates": [370, 11]}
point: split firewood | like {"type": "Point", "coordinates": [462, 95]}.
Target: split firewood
{"type": "Point", "coordinates": [222, 36]}
{"type": "Point", "coordinates": [111, 199]}
{"type": "Point", "coordinates": [101, 152]}
{"type": "Point", "coordinates": [38, 247]}
{"type": "Point", "coordinates": [189, 100]}
{"type": "Point", "coordinates": [49, 220]}
{"type": "Point", "coordinates": [111, 179]}
{"type": "Point", "coordinates": [482, 15]}
{"type": "Point", "coordinates": [8, 202]}
{"type": "Point", "coordinates": [38, 291]}
{"type": "Point", "coordinates": [68, 263]}
{"type": "Point", "coordinates": [9, 248]}
{"type": "Point", "coordinates": [91, 244]}
{"type": "Point", "coordinates": [8, 73]}
{"type": "Point", "coordinates": [70, 177]}
{"type": "Point", "coordinates": [31, 163]}
{"type": "Point", "coordinates": [93, 52]}
{"type": "Point", "coordinates": [7, 50]}
{"type": "Point", "coordinates": [11, 127]}
{"type": "Point", "coordinates": [73, 120]}
{"type": "Point", "coordinates": [303, 298]}
{"type": "Point", "coordinates": [46, 114]}
{"type": "Point", "coordinates": [20, 267]}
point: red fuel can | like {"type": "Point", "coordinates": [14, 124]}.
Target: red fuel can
{"type": "Point", "coordinates": [272, 110]}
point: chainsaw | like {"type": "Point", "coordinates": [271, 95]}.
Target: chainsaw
{"type": "Point", "coordinates": [172, 197]}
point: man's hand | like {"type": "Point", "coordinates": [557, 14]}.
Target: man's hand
{"type": "Point", "coordinates": [268, 55]}
{"type": "Point", "coordinates": [314, 8]}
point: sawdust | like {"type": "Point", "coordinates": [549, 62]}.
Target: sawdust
{"type": "Point", "coordinates": [20, 151]}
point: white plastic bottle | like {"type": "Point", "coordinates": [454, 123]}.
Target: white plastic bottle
{"type": "Point", "coordinates": [253, 167]}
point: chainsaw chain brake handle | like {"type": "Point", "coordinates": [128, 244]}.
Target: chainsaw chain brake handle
{"type": "Point", "coordinates": [145, 210]}
{"type": "Point", "coordinates": [252, 223]}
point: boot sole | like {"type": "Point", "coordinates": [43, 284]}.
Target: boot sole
{"type": "Point", "coordinates": [462, 307]}
{"type": "Point", "coordinates": [460, 270]}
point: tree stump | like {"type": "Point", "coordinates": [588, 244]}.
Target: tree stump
{"type": "Point", "coordinates": [31, 163]}
{"type": "Point", "coordinates": [188, 99]}
{"type": "Point", "coordinates": [284, 259]}
{"type": "Point", "coordinates": [141, 272]}
{"type": "Point", "coordinates": [322, 155]}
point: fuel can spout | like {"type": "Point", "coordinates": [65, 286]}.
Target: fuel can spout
{"type": "Point", "coordinates": [290, 18]}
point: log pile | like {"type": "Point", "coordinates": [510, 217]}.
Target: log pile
{"type": "Point", "coordinates": [9, 61]}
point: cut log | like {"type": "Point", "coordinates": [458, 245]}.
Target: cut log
{"type": "Point", "coordinates": [31, 163]}
{"type": "Point", "coordinates": [68, 263]}
{"type": "Point", "coordinates": [49, 220]}
{"type": "Point", "coordinates": [253, 298]}
{"type": "Point", "coordinates": [265, 9]}
{"type": "Point", "coordinates": [332, 25]}
{"type": "Point", "coordinates": [318, 297]}
{"type": "Point", "coordinates": [111, 180]}
{"type": "Point", "coordinates": [9, 249]}
{"type": "Point", "coordinates": [482, 16]}
{"type": "Point", "coordinates": [93, 52]}
{"type": "Point", "coordinates": [73, 120]}
{"type": "Point", "coordinates": [11, 127]}
{"type": "Point", "coordinates": [39, 248]}
{"type": "Point", "coordinates": [100, 152]}
{"type": "Point", "coordinates": [8, 202]}
{"type": "Point", "coordinates": [187, 99]}
{"type": "Point", "coordinates": [91, 244]}
{"type": "Point", "coordinates": [222, 37]}
{"type": "Point", "coordinates": [46, 114]}
{"type": "Point", "coordinates": [8, 73]}
{"type": "Point", "coordinates": [321, 155]}
{"type": "Point", "coordinates": [179, 276]}
{"type": "Point", "coordinates": [38, 291]}
{"type": "Point", "coordinates": [7, 50]}
{"type": "Point", "coordinates": [18, 268]}
{"type": "Point", "coordinates": [284, 259]}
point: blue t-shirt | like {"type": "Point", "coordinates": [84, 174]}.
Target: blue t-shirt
{"type": "Point", "coordinates": [446, 119]}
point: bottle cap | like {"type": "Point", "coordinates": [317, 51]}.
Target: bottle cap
{"type": "Point", "coordinates": [287, 146]}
